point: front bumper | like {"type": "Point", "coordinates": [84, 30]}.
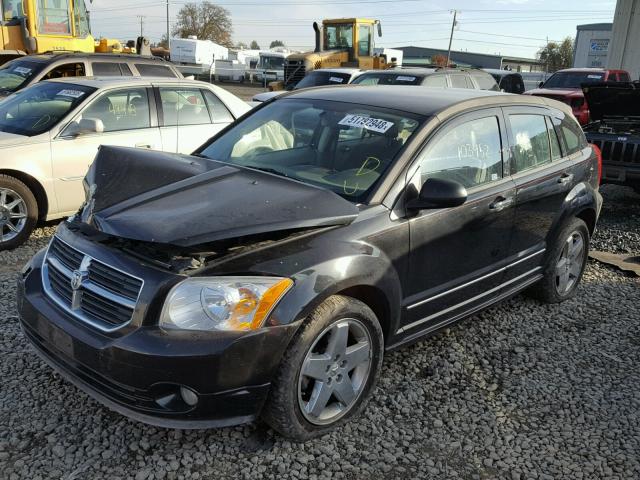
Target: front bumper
{"type": "Point", "coordinates": [139, 372]}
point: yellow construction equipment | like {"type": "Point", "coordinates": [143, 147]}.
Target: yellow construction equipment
{"type": "Point", "coordinates": [344, 42]}
{"type": "Point", "coordinates": [38, 26]}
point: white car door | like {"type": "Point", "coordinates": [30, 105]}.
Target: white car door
{"type": "Point", "coordinates": [125, 118]}
{"type": "Point", "coordinates": [190, 116]}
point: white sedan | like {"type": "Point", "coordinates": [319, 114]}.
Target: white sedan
{"type": "Point", "coordinates": [50, 133]}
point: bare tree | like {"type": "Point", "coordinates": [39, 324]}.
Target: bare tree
{"type": "Point", "coordinates": [206, 21]}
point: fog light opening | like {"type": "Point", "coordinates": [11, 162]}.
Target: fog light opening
{"type": "Point", "coordinates": [189, 396]}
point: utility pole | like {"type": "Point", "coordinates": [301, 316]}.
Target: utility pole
{"type": "Point", "coordinates": [453, 26]}
{"type": "Point", "coordinates": [168, 38]}
{"type": "Point", "coordinates": [141, 17]}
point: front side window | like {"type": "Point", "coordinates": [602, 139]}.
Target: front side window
{"type": "Point", "coordinates": [364, 40]}
{"type": "Point", "coordinates": [66, 70]}
{"type": "Point", "coordinates": [16, 74]}
{"type": "Point", "coordinates": [54, 17]}
{"type": "Point", "coordinates": [37, 109]}
{"type": "Point", "coordinates": [12, 9]}
{"type": "Point", "coordinates": [345, 148]}
{"type": "Point", "coordinates": [531, 139]}
{"type": "Point", "coordinates": [485, 81]}
{"type": "Point", "coordinates": [388, 79]}
{"type": "Point", "coordinates": [125, 109]}
{"type": "Point", "coordinates": [469, 153]}
{"type": "Point", "coordinates": [149, 70]}
{"type": "Point", "coordinates": [183, 106]}
{"type": "Point", "coordinates": [458, 81]}
{"type": "Point", "coordinates": [338, 36]}
{"type": "Point", "coordinates": [435, 81]}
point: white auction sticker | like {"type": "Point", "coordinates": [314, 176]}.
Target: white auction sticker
{"type": "Point", "coordinates": [595, 77]}
{"type": "Point", "coordinates": [22, 70]}
{"type": "Point", "coordinates": [358, 121]}
{"type": "Point", "coordinates": [336, 79]}
{"type": "Point", "coordinates": [71, 93]}
{"type": "Point", "coordinates": [405, 78]}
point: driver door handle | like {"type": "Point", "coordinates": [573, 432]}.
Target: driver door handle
{"type": "Point", "coordinates": [500, 204]}
{"type": "Point", "coordinates": [143, 145]}
{"type": "Point", "coordinates": [565, 178]}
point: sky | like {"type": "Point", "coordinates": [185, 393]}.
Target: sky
{"type": "Point", "coordinates": [506, 27]}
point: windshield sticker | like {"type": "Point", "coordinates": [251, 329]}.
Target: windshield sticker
{"type": "Point", "coordinates": [594, 77]}
{"type": "Point", "coordinates": [22, 70]}
{"type": "Point", "coordinates": [336, 79]}
{"type": "Point", "coordinates": [373, 124]}
{"type": "Point", "coordinates": [71, 93]}
{"type": "Point", "coordinates": [404, 78]}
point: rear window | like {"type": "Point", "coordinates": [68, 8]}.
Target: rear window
{"type": "Point", "coordinates": [388, 79]}
{"type": "Point", "coordinates": [572, 79]}
{"type": "Point", "coordinates": [316, 79]}
{"type": "Point", "coordinates": [149, 70]}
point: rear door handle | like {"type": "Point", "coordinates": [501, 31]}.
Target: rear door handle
{"type": "Point", "coordinates": [565, 178]}
{"type": "Point", "coordinates": [500, 204]}
{"type": "Point", "coordinates": [143, 145]}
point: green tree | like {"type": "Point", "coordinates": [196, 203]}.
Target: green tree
{"type": "Point", "coordinates": [277, 43]}
{"type": "Point", "coordinates": [254, 45]}
{"type": "Point", "coordinates": [241, 46]}
{"type": "Point", "coordinates": [206, 21]}
{"type": "Point", "coordinates": [557, 56]}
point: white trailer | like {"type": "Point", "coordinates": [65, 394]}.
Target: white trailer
{"type": "Point", "coordinates": [196, 57]}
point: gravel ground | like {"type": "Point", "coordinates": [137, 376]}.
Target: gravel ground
{"type": "Point", "coordinates": [521, 391]}
{"type": "Point", "coordinates": [245, 91]}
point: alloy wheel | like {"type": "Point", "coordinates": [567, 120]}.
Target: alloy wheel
{"type": "Point", "coordinates": [335, 371]}
{"type": "Point", "coordinates": [13, 214]}
{"type": "Point", "coordinates": [570, 263]}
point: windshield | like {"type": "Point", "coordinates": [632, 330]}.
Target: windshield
{"type": "Point", "coordinates": [37, 109]}
{"type": "Point", "coordinates": [317, 79]}
{"type": "Point", "coordinates": [338, 36]}
{"type": "Point", "coordinates": [272, 63]}
{"type": "Point", "coordinates": [15, 75]}
{"type": "Point", "coordinates": [572, 79]}
{"type": "Point", "coordinates": [345, 148]}
{"type": "Point", "coordinates": [388, 79]}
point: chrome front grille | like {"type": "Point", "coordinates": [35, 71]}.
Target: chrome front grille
{"type": "Point", "coordinates": [88, 289]}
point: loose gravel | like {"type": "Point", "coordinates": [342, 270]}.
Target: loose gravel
{"type": "Point", "coordinates": [521, 391]}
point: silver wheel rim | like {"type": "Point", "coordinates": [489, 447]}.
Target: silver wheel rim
{"type": "Point", "coordinates": [334, 371]}
{"type": "Point", "coordinates": [570, 263]}
{"type": "Point", "coordinates": [13, 214]}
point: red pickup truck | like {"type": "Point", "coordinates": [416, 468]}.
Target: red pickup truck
{"type": "Point", "coordinates": [566, 86]}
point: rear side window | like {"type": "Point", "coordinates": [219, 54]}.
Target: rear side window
{"type": "Point", "coordinates": [573, 136]}
{"type": "Point", "coordinates": [217, 109]}
{"type": "Point", "coordinates": [458, 81]}
{"type": "Point", "coordinates": [531, 139]}
{"type": "Point", "coordinates": [435, 81]}
{"type": "Point", "coordinates": [484, 81]}
{"type": "Point", "coordinates": [181, 106]}
{"type": "Point", "coordinates": [469, 153]}
{"type": "Point", "coordinates": [66, 70]}
{"type": "Point", "coordinates": [110, 69]}
{"type": "Point", "coordinates": [149, 70]}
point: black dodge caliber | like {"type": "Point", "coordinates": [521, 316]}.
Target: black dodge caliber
{"type": "Point", "coordinates": [267, 274]}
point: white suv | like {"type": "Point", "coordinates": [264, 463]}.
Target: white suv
{"type": "Point", "coordinates": [50, 133]}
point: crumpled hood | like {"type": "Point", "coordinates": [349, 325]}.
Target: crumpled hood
{"type": "Point", "coordinates": [187, 201]}
{"type": "Point", "coordinates": [556, 92]}
{"type": "Point", "coordinates": [613, 99]}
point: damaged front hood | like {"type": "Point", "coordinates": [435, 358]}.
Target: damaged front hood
{"type": "Point", "coordinates": [613, 99]}
{"type": "Point", "coordinates": [187, 201]}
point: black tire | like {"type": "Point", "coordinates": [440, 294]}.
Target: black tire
{"type": "Point", "coordinates": [12, 184]}
{"type": "Point", "coordinates": [547, 290]}
{"type": "Point", "coordinates": [283, 411]}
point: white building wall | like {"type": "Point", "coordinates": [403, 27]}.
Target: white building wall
{"type": "Point", "coordinates": [624, 51]}
{"type": "Point", "coordinates": [591, 48]}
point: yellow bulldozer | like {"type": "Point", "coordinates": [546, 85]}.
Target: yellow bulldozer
{"type": "Point", "coordinates": [344, 42]}
{"type": "Point", "coordinates": [39, 26]}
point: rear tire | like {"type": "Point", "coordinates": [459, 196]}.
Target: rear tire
{"type": "Point", "coordinates": [565, 264]}
{"type": "Point", "coordinates": [18, 212]}
{"type": "Point", "coordinates": [328, 372]}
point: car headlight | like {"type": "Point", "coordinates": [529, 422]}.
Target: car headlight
{"type": "Point", "coordinates": [222, 303]}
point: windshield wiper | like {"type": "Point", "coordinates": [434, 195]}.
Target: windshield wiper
{"type": "Point", "coordinates": [268, 170]}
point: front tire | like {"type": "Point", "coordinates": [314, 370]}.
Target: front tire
{"type": "Point", "coordinates": [18, 212]}
{"type": "Point", "coordinates": [328, 372]}
{"type": "Point", "coordinates": [565, 264]}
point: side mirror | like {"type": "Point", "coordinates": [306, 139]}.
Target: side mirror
{"type": "Point", "coordinates": [84, 126]}
{"type": "Point", "coordinates": [540, 84]}
{"type": "Point", "coordinates": [439, 193]}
